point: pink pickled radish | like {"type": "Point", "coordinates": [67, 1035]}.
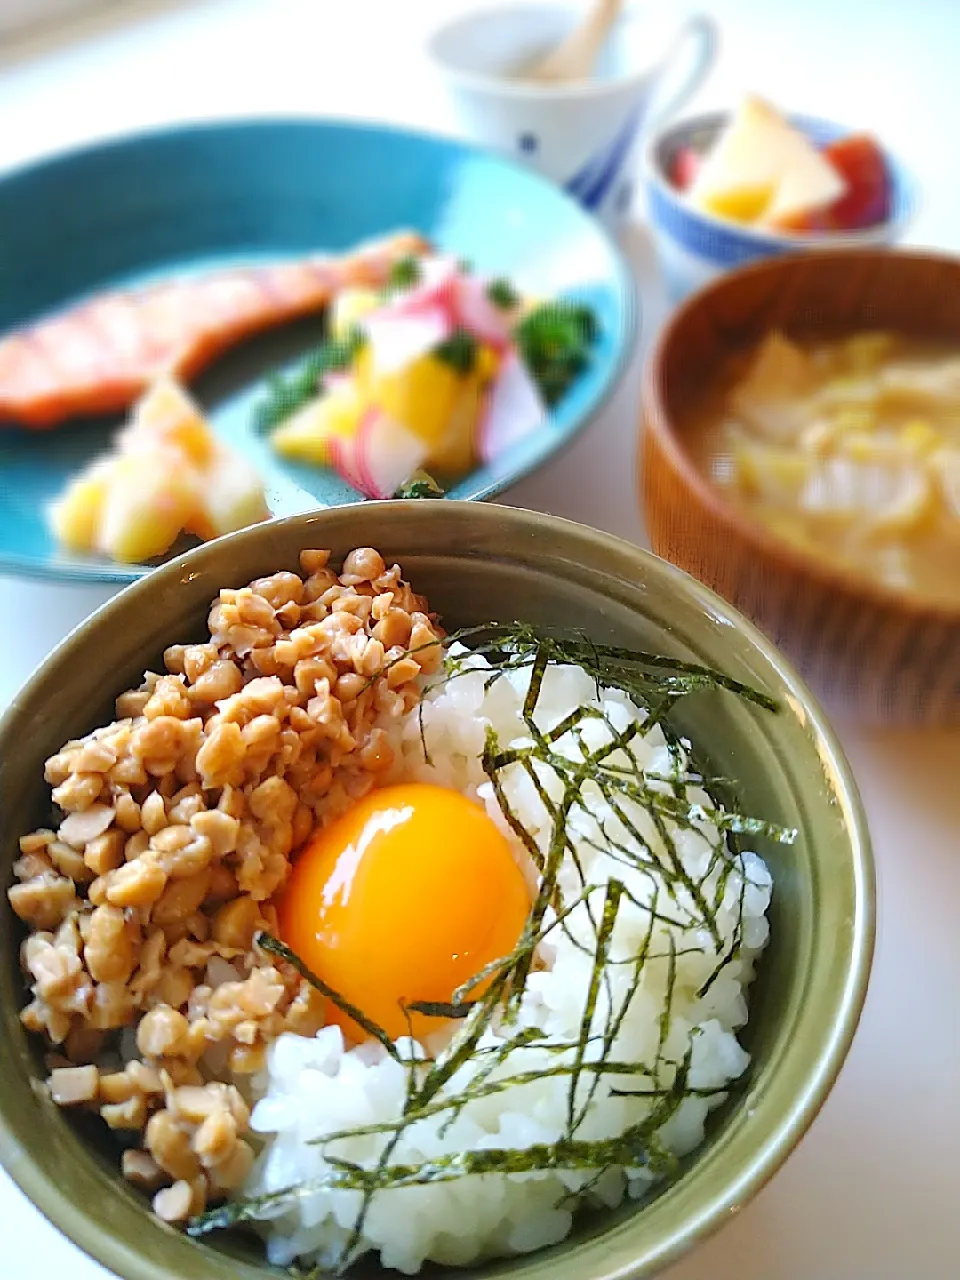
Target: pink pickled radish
{"type": "Point", "coordinates": [385, 454]}
{"type": "Point", "coordinates": [343, 455]}
{"type": "Point", "coordinates": [478, 315]}
{"type": "Point", "coordinates": [514, 409]}
{"type": "Point", "coordinates": [398, 338]}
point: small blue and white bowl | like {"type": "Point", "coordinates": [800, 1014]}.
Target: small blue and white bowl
{"type": "Point", "coordinates": [695, 247]}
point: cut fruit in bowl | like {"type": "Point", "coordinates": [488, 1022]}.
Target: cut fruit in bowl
{"type": "Point", "coordinates": [761, 169]}
{"type": "Point", "coordinates": [728, 188]}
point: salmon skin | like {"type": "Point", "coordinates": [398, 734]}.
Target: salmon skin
{"type": "Point", "coordinates": [100, 355]}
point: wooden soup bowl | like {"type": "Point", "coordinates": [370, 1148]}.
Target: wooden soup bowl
{"type": "Point", "coordinates": [872, 652]}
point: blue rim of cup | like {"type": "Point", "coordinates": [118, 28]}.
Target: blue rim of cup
{"type": "Point", "coordinates": [719, 240]}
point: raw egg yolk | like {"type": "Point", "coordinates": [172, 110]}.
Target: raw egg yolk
{"type": "Point", "coordinates": [404, 898]}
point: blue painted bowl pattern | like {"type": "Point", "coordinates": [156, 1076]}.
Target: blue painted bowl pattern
{"type": "Point", "coordinates": [593, 183]}
{"type": "Point", "coordinates": [726, 245]}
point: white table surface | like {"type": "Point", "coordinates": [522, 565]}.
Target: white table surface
{"type": "Point", "coordinates": [872, 1192]}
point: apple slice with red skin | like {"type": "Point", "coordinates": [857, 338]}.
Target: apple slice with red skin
{"type": "Point", "coordinates": [865, 203]}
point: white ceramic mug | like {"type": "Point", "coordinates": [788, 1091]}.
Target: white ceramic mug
{"type": "Point", "coordinates": [582, 135]}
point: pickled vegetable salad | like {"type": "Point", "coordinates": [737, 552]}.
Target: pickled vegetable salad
{"type": "Point", "coordinates": [440, 371]}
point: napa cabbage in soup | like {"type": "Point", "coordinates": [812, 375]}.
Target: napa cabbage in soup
{"type": "Point", "coordinates": [848, 449]}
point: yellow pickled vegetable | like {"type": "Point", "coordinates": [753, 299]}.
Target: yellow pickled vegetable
{"type": "Point", "coordinates": [421, 395]}
{"type": "Point", "coordinates": [305, 436]}
{"type": "Point", "coordinates": [456, 452]}
{"type": "Point", "coordinates": [429, 397]}
{"type": "Point", "coordinates": [488, 362]}
{"type": "Point", "coordinates": [434, 401]}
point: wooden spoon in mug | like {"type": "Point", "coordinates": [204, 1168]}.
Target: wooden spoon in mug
{"type": "Point", "coordinates": [574, 57]}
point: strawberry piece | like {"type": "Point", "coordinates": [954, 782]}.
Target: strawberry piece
{"type": "Point", "coordinates": [860, 162]}
{"type": "Point", "coordinates": [684, 168]}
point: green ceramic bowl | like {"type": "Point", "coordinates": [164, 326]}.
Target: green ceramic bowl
{"type": "Point", "coordinates": [477, 562]}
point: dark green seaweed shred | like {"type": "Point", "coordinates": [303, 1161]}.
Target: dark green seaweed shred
{"type": "Point", "coordinates": [676, 897]}
{"type": "Point", "coordinates": [635, 1148]}
{"type": "Point", "coordinates": [406, 272]}
{"type": "Point", "coordinates": [273, 946]}
{"type": "Point", "coordinates": [555, 341]}
{"type": "Point", "coordinates": [459, 351]}
{"type": "Point", "coordinates": [502, 294]}
{"type": "Point", "coordinates": [286, 393]}
{"type": "Point", "coordinates": [439, 1009]}
{"type": "Point", "coordinates": [421, 485]}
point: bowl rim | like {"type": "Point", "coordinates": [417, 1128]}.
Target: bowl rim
{"type": "Point", "coordinates": [762, 539]}
{"type": "Point", "coordinates": [528, 90]}
{"type": "Point", "coordinates": [613, 1259]}
{"type": "Point", "coordinates": [891, 228]}
{"type": "Point", "coordinates": [621, 278]}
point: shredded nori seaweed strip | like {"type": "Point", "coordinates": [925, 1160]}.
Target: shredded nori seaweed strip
{"type": "Point", "coordinates": [635, 1148]}
{"type": "Point", "coordinates": [678, 899]}
{"type": "Point", "coordinates": [273, 946]}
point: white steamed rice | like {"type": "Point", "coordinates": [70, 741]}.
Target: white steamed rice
{"type": "Point", "coordinates": [312, 1087]}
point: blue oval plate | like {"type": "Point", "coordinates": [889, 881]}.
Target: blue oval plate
{"type": "Point", "coordinates": [186, 199]}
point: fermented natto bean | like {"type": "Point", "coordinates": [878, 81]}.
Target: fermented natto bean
{"type": "Point", "coordinates": [363, 565]}
{"type": "Point", "coordinates": [70, 1086]}
{"type": "Point", "coordinates": [162, 1032]}
{"type": "Point", "coordinates": [179, 822]}
{"type": "Point", "coordinates": [137, 884]}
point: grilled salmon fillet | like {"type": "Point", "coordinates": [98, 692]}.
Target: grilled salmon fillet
{"type": "Point", "coordinates": [99, 356]}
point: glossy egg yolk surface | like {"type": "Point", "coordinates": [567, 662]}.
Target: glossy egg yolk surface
{"type": "Point", "coordinates": [405, 897]}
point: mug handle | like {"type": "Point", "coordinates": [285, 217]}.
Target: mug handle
{"type": "Point", "coordinates": [695, 48]}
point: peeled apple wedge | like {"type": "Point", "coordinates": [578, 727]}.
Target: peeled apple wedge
{"type": "Point", "coordinates": [167, 415]}
{"type": "Point", "coordinates": [149, 501]}
{"type": "Point", "coordinates": [762, 171]}
{"type": "Point", "coordinates": [744, 157]}
{"type": "Point", "coordinates": [75, 517]}
{"type": "Point", "coordinates": [807, 182]}
{"type": "Point", "coordinates": [232, 497]}
{"type": "Point", "coordinates": [167, 475]}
